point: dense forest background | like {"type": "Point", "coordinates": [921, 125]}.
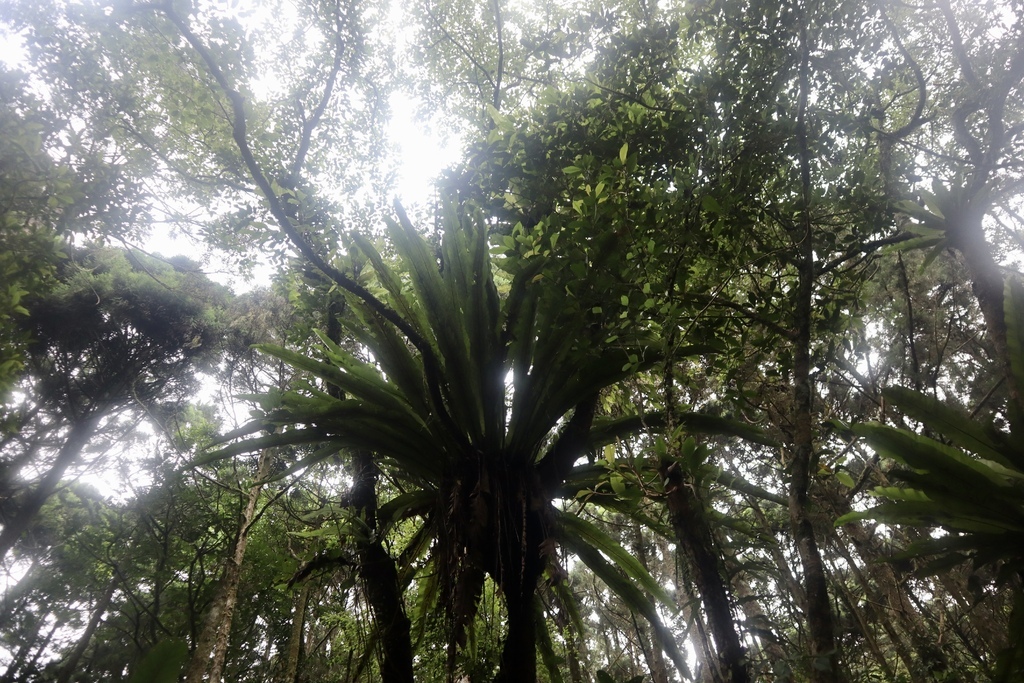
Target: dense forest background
{"type": "Point", "coordinates": [704, 362]}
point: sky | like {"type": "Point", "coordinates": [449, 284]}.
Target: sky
{"type": "Point", "coordinates": [420, 151]}
{"type": "Point", "coordinates": [421, 154]}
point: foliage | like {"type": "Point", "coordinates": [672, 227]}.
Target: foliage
{"type": "Point", "coordinates": [970, 487]}
{"type": "Point", "coordinates": [162, 663]}
{"type": "Point", "coordinates": [32, 193]}
{"type": "Point", "coordinates": [443, 419]}
{"type": "Point", "coordinates": [672, 224]}
{"type": "Point", "coordinates": [116, 331]}
{"type": "Point", "coordinates": [120, 326]}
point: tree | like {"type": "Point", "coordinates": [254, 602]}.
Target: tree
{"type": "Point", "coordinates": [40, 201]}
{"type": "Point", "coordinates": [121, 331]}
{"type": "Point", "coordinates": [969, 488]}
{"type": "Point", "coordinates": [692, 218]}
{"type": "Point", "coordinates": [488, 467]}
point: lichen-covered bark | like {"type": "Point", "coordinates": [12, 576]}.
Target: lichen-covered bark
{"type": "Point", "coordinates": [208, 658]}
{"type": "Point", "coordinates": [291, 669]}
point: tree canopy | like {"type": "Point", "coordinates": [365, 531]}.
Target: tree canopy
{"type": "Point", "coordinates": [703, 362]}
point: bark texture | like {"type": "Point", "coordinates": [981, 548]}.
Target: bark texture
{"type": "Point", "coordinates": [379, 578]}
{"type": "Point", "coordinates": [212, 645]}
{"type": "Point", "coordinates": [696, 542]}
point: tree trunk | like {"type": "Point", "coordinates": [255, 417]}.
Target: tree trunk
{"type": "Point", "coordinates": [13, 599]}
{"type": "Point", "coordinates": [32, 665]}
{"type": "Point", "coordinates": [22, 654]}
{"type": "Point", "coordinates": [519, 566]}
{"type": "Point", "coordinates": [211, 648]}
{"type": "Point", "coordinates": [519, 652]}
{"type": "Point", "coordinates": [18, 670]}
{"type": "Point", "coordinates": [696, 542]}
{"type": "Point", "coordinates": [379, 578]}
{"type": "Point", "coordinates": [76, 441]}
{"type": "Point", "coordinates": [291, 671]}
{"type": "Point", "coordinates": [656, 658]}
{"type": "Point", "coordinates": [19, 658]}
{"type": "Point", "coordinates": [818, 610]}
{"type": "Point", "coordinates": [967, 234]}
{"type": "Point", "coordinates": [69, 667]}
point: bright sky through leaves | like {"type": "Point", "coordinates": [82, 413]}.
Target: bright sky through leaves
{"type": "Point", "coordinates": [675, 341]}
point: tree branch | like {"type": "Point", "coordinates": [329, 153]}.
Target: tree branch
{"type": "Point", "coordinates": [917, 120]}
{"type": "Point", "coordinates": [462, 48]}
{"type": "Point", "coordinates": [309, 125]}
{"type": "Point", "coordinates": [556, 464]}
{"type": "Point", "coordinates": [431, 365]}
{"type": "Point", "coordinates": [500, 69]}
{"type": "Point", "coordinates": [865, 248]}
{"type": "Point", "coordinates": [958, 43]}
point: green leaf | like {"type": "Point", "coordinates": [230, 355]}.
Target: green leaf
{"type": "Point", "coordinates": [582, 531]}
{"type": "Point", "coordinates": [163, 663]}
{"type": "Point", "coordinates": [446, 312]}
{"type": "Point", "coordinates": [607, 431]}
{"type": "Point", "coordinates": [633, 598]}
{"type": "Point", "coordinates": [853, 517]}
{"type": "Point", "coordinates": [741, 485]}
{"type": "Point", "coordinates": [710, 204]}
{"type": "Point", "coordinates": [392, 352]}
{"type": "Point", "coordinates": [930, 257]}
{"type": "Point", "coordinates": [319, 455]}
{"type": "Point", "coordinates": [350, 375]}
{"type": "Point", "coordinates": [405, 504]}
{"type": "Point", "coordinates": [287, 438]}
{"type": "Point", "coordinates": [390, 281]}
{"type": "Point", "coordinates": [955, 425]}
{"type": "Point", "coordinates": [923, 453]}
{"type": "Point", "coordinates": [914, 243]}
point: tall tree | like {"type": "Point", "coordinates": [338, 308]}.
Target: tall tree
{"type": "Point", "coordinates": [488, 466]}
{"type": "Point", "coordinates": [121, 330]}
{"type": "Point", "coordinates": [695, 207]}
